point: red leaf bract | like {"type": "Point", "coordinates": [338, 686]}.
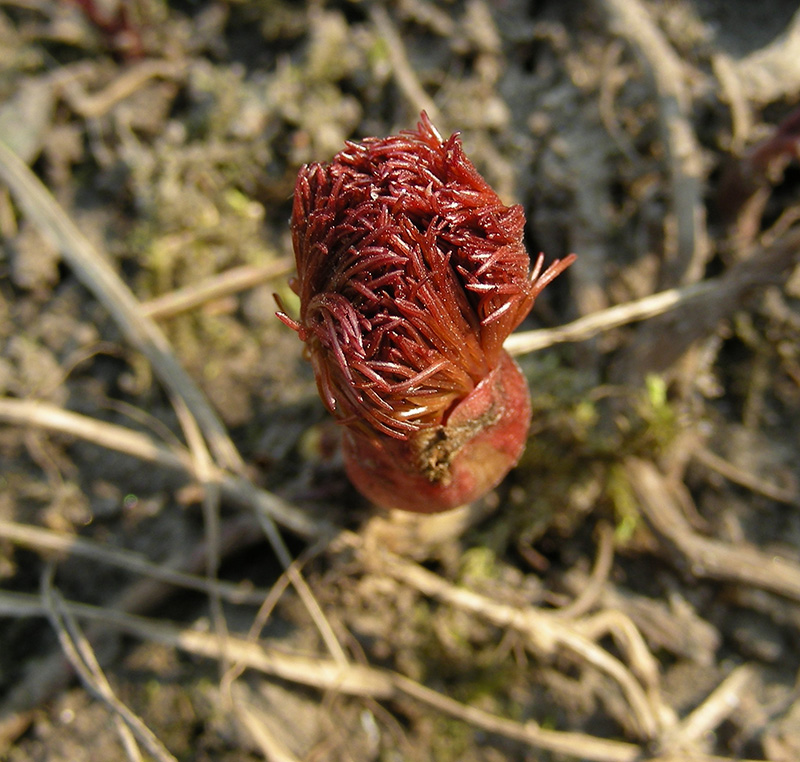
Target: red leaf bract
{"type": "Point", "coordinates": [411, 274]}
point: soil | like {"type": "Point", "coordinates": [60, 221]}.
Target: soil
{"type": "Point", "coordinates": [631, 590]}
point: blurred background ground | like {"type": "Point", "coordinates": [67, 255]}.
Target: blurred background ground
{"type": "Point", "coordinates": [640, 136]}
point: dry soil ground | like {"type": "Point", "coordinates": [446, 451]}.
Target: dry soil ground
{"type": "Point", "coordinates": [633, 593]}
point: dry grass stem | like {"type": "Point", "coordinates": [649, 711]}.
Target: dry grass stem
{"type": "Point", "coordinates": [658, 345]}
{"type": "Point", "coordinates": [252, 719]}
{"type": "Point", "coordinates": [44, 415]}
{"type": "Point", "coordinates": [632, 645]}
{"type": "Point", "coordinates": [545, 633]}
{"type": "Point", "coordinates": [403, 71]}
{"type": "Point", "coordinates": [95, 105]}
{"type": "Point", "coordinates": [701, 305]}
{"type": "Point", "coordinates": [741, 111]}
{"type": "Point", "coordinates": [48, 542]}
{"type": "Point", "coordinates": [81, 656]}
{"type": "Point", "coordinates": [98, 276]}
{"type": "Point", "coordinates": [324, 674]}
{"type": "Point", "coordinates": [594, 588]}
{"type": "Point", "coordinates": [717, 707]}
{"type": "Point", "coordinates": [773, 72]}
{"type": "Point", "coordinates": [352, 679]}
{"type": "Point", "coordinates": [660, 501]}
{"type": "Point", "coordinates": [295, 577]}
{"type": "Point", "coordinates": [745, 478]}
{"type": "Point", "coordinates": [631, 19]}
{"type": "Point", "coordinates": [209, 289]}
{"type": "Point", "coordinates": [138, 445]}
{"type": "Point", "coordinates": [208, 478]}
{"type": "Point", "coordinates": [589, 326]}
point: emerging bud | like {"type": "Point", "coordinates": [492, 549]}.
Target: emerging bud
{"type": "Point", "coordinates": [411, 274]}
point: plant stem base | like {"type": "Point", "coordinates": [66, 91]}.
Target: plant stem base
{"type": "Point", "coordinates": [419, 535]}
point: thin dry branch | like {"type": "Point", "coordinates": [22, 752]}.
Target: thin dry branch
{"type": "Point", "coordinates": [52, 673]}
{"type": "Point", "coordinates": [133, 78]}
{"type": "Point", "coordinates": [746, 479]}
{"type": "Point", "coordinates": [696, 308]}
{"type": "Point", "coordinates": [352, 679]}
{"type": "Point", "coordinates": [208, 478]}
{"type": "Point", "coordinates": [233, 487]}
{"type": "Point", "coordinates": [542, 630]}
{"type": "Point", "coordinates": [717, 707]}
{"type": "Point", "coordinates": [265, 610]}
{"type": "Point", "coordinates": [295, 577]}
{"type": "Point", "coordinates": [631, 643]}
{"type": "Point", "coordinates": [773, 72]}
{"type": "Point", "coordinates": [660, 500]}
{"type": "Point", "coordinates": [81, 656]}
{"type": "Point", "coordinates": [545, 633]}
{"type": "Point", "coordinates": [251, 718]}
{"type": "Point", "coordinates": [218, 286]}
{"type": "Point", "coordinates": [659, 344]}
{"type": "Point", "coordinates": [98, 276]}
{"type": "Point", "coordinates": [731, 91]}
{"type": "Point", "coordinates": [139, 445]}
{"type": "Point", "coordinates": [593, 589]}
{"type": "Point", "coordinates": [673, 627]}
{"type": "Point", "coordinates": [48, 542]}
{"type": "Point", "coordinates": [403, 71]}
{"type": "Point", "coordinates": [589, 326]}
{"type": "Point", "coordinates": [632, 20]}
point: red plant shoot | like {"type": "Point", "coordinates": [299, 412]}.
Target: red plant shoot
{"type": "Point", "coordinates": [411, 274]}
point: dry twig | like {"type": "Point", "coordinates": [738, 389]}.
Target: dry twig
{"type": "Point", "coordinates": [692, 310]}
{"type": "Point", "coordinates": [407, 80]}
{"type": "Point", "coordinates": [631, 19]}
{"type": "Point", "coordinates": [46, 542]}
{"type": "Point", "coordinates": [593, 589]}
{"type": "Point", "coordinates": [251, 717]}
{"type": "Point", "coordinates": [208, 477]}
{"type": "Point", "coordinates": [660, 500]}
{"type": "Point", "coordinates": [99, 277]}
{"type": "Point", "coordinates": [662, 342]}
{"type": "Point", "coordinates": [236, 488]}
{"type": "Point", "coordinates": [545, 633]}
{"type": "Point", "coordinates": [773, 72]}
{"type": "Point", "coordinates": [94, 105]}
{"type": "Point", "coordinates": [118, 438]}
{"type": "Point", "coordinates": [215, 287]}
{"type": "Point", "coordinates": [352, 679]}
{"type": "Point", "coordinates": [717, 707]}
{"type": "Point", "coordinates": [80, 655]}
{"type": "Point", "coordinates": [589, 326]}
{"type": "Point", "coordinates": [745, 478]}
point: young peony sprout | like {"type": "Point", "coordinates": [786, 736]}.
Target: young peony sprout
{"type": "Point", "coordinates": [411, 274]}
